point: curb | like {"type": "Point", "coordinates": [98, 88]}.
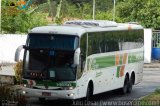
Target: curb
{"type": "Point", "coordinates": [151, 69]}
{"type": "Point", "coordinates": [144, 96]}
{"type": "Point", "coordinates": [152, 65]}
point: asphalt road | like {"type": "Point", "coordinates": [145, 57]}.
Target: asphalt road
{"type": "Point", "coordinates": [151, 81]}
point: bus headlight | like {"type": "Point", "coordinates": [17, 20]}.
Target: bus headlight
{"type": "Point", "coordinates": [68, 88]}
{"type": "Point", "coordinates": [24, 92]}
{"type": "Point", "coordinates": [25, 85]}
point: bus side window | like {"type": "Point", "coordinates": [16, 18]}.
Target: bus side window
{"type": "Point", "coordinates": [132, 40]}
{"type": "Point", "coordinates": [95, 43]}
{"type": "Point", "coordinates": [111, 42]}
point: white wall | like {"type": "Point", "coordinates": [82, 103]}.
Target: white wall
{"type": "Point", "coordinates": [8, 46]}
{"type": "Point", "coordinates": [147, 45]}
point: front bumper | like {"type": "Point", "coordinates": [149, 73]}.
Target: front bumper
{"type": "Point", "coordinates": [54, 94]}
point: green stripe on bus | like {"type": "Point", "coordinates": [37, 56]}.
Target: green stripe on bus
{"type": "Point", "coordinates": [24, 82]}
{"type": "Point", "coordinates": [109, 61]}
{"type": "Point", "coordinates": [102, 62]}
{"type": "Point", "coordinates": [135, 57]}
{"type": "Point", "coordinates": [121, 59]}
{"type": "Point", "coordinates": [118, 71]}
{"type": "Point", "coordinates": [54, 84]}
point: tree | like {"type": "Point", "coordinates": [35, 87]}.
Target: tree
{"type": "Point", "coordinates": [14, 20]}
{"type": "Point", "coordinates": [104, 5]}
{"type": "Point", "coordinates": [146, 12]}
{"type": "Point", "coordinates": [18, 72]}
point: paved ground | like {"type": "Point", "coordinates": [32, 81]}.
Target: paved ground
{"type": "Point", "coordinates": [148, 85]}
{"type": "Point", "coordinates": [153, 64]}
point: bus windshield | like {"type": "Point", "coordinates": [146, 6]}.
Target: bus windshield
{"type": "Point", "coordinates": [52, 41]}
{"type": "Point", "coordinates": [50, 57]}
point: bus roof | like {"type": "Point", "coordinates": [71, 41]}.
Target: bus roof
{"type": "Point", "coordinates": [79, 27]}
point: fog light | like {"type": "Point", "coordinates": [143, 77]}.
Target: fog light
{"type": "Point", "coordinates": [72, 94]}
{"type": "Point", "coordinates": [24, 92]}
{"type": "Point", "coordinates": [67, 88]}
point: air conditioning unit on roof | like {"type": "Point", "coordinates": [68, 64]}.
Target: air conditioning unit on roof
{"type": "Point", "coordinates": [94, 23]}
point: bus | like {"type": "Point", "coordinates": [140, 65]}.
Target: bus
{"type": "Point", "coordinates": [82, 58]}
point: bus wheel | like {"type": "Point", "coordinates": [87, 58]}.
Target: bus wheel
{"type": "Point", "coordinates": [42, 99]}
{"type": "Point", "coordinates": [125, 86]}
{"type": "Point", "coordinates": [130, 83]}
{"type": "Point", "coordinates": [89, 93]}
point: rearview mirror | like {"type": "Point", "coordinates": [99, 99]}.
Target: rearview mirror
{"type": "Point", "coordinates": [17, 53]}
{"type": "Point", "coordinates": [77, 56]}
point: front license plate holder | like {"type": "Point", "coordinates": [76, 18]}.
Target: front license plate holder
{"type": "Point", "coordinates": [46, 94]}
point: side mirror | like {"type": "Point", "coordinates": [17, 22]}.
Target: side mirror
{"type": "Point", "coordinates": [17, 53]}
{"type": "Point", "coordinates": [77, 56]}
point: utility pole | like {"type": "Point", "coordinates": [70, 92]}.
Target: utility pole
{"type": "Point", "coordinates": [50, 8]}
{"type": "Point", "coordinates": [58, 10]}
{"type": "Point", "coordinates": [114, 10]}
{"type": "Point", "coordinates": [94, 6]}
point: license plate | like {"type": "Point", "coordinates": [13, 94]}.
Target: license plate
{"type": "Point", "coordinates": [46, 94]}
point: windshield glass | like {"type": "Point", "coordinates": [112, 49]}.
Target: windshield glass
{"type": "Point", "coordinates": [49, 60]}
{"type": "Point", "coordinates": [52, 41]}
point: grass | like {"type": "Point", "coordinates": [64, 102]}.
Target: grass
{"type": "Point", "coordinates": [151, 100]}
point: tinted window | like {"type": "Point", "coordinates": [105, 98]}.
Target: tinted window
{"type": "Point", "coordinates": [101, 42]}
{"type": "Point", "coordinates": [48, 41]}
{"type": "Point", "coordinates": [131, 39]}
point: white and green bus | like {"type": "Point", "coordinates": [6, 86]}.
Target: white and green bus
{"type": "Point", "coordinates": [82, 58]}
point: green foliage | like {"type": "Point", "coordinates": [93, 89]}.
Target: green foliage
{"type": "Point", "coordinates": [42, 8]}
{"type": "Point", "coordinates": [16, 21]}
{"type": "Point", "coordinates": [150, 15]}
{"type": "Point", "coordinates": [157, 91]}
{"type": "Point", "coordinates": [83, 11]}
{"type": "Point", "coordinates": [104, 5]}
{"type": "Point", "coordinates": [106, 16]}
{"type": "Point", "coordinates": [18, 71]}
{"type": "Point", "coordinates": [22, 22]}
{"type": "Point", "coordinates": [58, 21]}
{"type": "Point", "coordinates": [146, 12]}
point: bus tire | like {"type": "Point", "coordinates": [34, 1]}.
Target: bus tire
{"type": "Point", "coordinates": [125, 86]}
{"type": "Point", "coordinates": [42, 100]}
{"type": "Point", "coordinates": [130, 84]}
{"type": "Point", "coordinates": [89, 93]}
{"type": "Point", "coordinates": [129, 89]}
